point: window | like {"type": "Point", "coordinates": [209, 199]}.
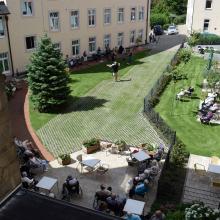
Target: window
{"type": "Point", "coordinates": [206, 25]}
{"type": "Point", "coordinates": [107, 40]}
{"type": "Point", "coordinates": [133, 14]}
{"type": "Point", "coordinates": [92, 17]}
{"type": "Point", "coordinates": [121, 15]}
{"type": "Point", "coordinates": [141, 13]}
{"type": "Point", "coordinates": [30, 42]}
{"type": "Point", "coordinates": [54, 21]}
{"type": "Point", "coordinates": [74, 19]}
{"type": "Point", "coordinates": [92, 44]}
{"type": "Point", "coordinates": [140, 35]}
{"type": "Point", "coordinates": [107, 16]}
{"type": "Point", "coordinates": [57, 46]}
{"type": "Point", "coordinates": [4, 64]}
{"type": "Point", "coordinates": [75, 47]}
{"type": "Point", "coordinates": [208, 4]}
{"type": "Point", "coordinates": [120, 39]}
{"type": "Point", "coordinates": [2, 31]}
{"type": "Point", "coordinates": [27, 7]}
{"type": "Point", "coordinates": [132, 37]}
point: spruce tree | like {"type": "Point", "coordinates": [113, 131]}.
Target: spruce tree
{"type": "Point", "coordinates": [47, 78]}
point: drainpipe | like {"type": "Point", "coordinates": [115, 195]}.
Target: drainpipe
{"type": "Point", "coordinates": [9, 45]}
{"type": "Point", "coordinates": [192, 16]}
{"type": "Point", "coordinates": [147, 20]}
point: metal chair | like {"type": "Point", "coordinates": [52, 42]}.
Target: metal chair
{"type": "Point", "coordinates": [102, 169]}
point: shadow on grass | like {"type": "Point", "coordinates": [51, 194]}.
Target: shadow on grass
{"type": "Point", "coordinates": [83, 104]}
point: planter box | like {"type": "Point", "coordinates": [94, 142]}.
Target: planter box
{"type": "Point", "coordinates": [91, 149]}
{"type": "Point", "coordinates": [64, 162]}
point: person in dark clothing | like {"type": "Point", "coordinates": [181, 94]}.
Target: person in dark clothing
{"type": "Point", "coordinates": [115, 67]}
{"type": "Point", "coordinates": [70, 186]}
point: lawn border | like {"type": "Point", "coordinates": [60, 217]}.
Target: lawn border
{"type": "Point", "coordinates": [45, 153]}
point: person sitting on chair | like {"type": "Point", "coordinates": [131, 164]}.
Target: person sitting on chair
{"type": "Point", "coordinates": [70, 186]}
{"type": "Point", "coordinates": [140, 189]}
{"type": "Point", "coordinates": [103, 193]}
{"type": "Point", "coordinates": [28, 182]}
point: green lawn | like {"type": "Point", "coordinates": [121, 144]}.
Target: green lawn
{"type": "Point", "coordinates": [81, 82]}
{"type": "Point", "coordinates": [106, 109]}
{"type": "Point", "coordinates": [181, 116]}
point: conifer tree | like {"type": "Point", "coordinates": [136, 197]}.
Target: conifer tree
{"type": "Point", "coordinates": [47, 78]}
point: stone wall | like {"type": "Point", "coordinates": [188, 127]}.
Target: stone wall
{"type": "Point", "coordinates": [9, 165]}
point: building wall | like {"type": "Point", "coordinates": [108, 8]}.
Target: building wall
{"type": "Point", "coordinates": [200, 13]}
{"type": "Point", "coordinates": [38, 24]}
{"type": "Point", "coordinates": [9, 166]}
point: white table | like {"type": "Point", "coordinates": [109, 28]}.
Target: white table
{"type": "Point", "coordinates": [213, 168]}
{"type": "Point", "coordinates": [134, 206]}
{"type": "Point", "coordinates": [90, 162]}
{"type": "Point", "coordinates": [141, 156]}
{"type": "Point", "coordinates": [47, 183]}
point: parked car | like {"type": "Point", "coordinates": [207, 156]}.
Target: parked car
{"type": "Point", "coordinates": [158, 30]}
{"type": "Point", "coordinates": [172, 30]}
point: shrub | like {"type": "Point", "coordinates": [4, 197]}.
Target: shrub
{"type": "Point", "coordinates": [178, 74]}
{"type": "Point", "coordinates": [158, 19]}
{"type": "Point", "coordinates": [121, 145]}
{"type": "Point", "coordinates": [65, 157]}
{"type": "Point", "coordinates": [184, 55]}
{"type": "Point", "coordinates": [200, 211]}
{"type": "Point", "coordinates": [178, 155]}
{"type": "Point", "coordinates": [91, 142]}
{"type": "Point", "coordinates": [165, 26]}
{"type": "Point", "coordinates": [176, 215]}
{"type": "Point", "coordinates": [181, 19]}
{"type": "Point", "coordinates": [193, 40]}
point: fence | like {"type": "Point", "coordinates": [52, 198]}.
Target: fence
{"type": "Point", "coordinates": [154, 117]}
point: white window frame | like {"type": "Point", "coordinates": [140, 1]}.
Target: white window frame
{"type": "Point", "coordinates": [120, 14]}
{"type": "Point", "coordinates": [52, 20]}
{"type": "Point", "coordinates": [94, 46]}
{"type": "Point", "coordinates": [140, 34]}
{"type": "Point", "coordinates": [107, 16]}
{"type": "Point", "coordinates": [73, 17]}
{"type": "Point", "coordinates": [132, 37]}
{"type": "Point", "coordinates": [141, 13]}
{"type": "Point", "coordinates": [75, 47]}
{"type": "Point", "coordinates": [120, 39]}
{"type": "Point", "coordinates": [2, 26]}
{"type": "Point", "coordinates": [133, 18]}
{"type": "Point", "coordinates": [206, 4]}
{"type": "Point", "coordinates": [205, 22]}
{"type": "Point", "coordinates": [25, 8]}
{"type": "Point", "coordinates": [35, 43]}
{"type": "Point", "coordinates": [107, 40]}
{"type": "Point", "coordinates": [57, 45]}
{"type": "Point", "coordinates": [91, 13]}
{"type": "Point", "coordinates": [4, 57]}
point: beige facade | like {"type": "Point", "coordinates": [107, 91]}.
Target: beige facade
{"type": "Point", "coordinates": [75, 26]}
{"type": "Point", "coordinates": [202, 16]}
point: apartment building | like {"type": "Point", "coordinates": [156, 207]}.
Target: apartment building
{"type": "Point", "coordinates": [202, 16]}
{"type": "Point", "coordinates": [74, 26]}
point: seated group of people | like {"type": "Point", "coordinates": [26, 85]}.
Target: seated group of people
{"type": "Point", "coordinates": [208, 108]}
{"type": "Point", "coordinates": [31, 163]}
{"type": "Point", "coordinates": [108, 201]}
{"type": "Point", "coordinates": [184, 92]}
{"type": "Point", "coordinates": [139, 185]}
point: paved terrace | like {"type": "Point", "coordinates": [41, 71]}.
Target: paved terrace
{"type": "Point", "coordinates": [199, 187]}
{"type": "Point", "coordinates": [117, 177]}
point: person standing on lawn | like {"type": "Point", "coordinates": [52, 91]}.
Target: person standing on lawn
{"type": "Point", "coordinates": [115, 67]}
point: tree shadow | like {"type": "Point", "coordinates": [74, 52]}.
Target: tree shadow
{"type": "Point", "coordinates": [83, 104]}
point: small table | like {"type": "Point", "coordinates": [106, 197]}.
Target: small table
{"type": "Point", "coordinates": [90, 162]}
{"type": "Point", "coordinates": [134, 206]}
{"type": "Point", "coordinates": [213, 168]}
{"type": "Point", "coordinates": [141, 156]}
{"type": "Point", "coordinates": [47, 183]}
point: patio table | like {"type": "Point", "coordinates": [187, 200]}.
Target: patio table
{"type": "Point", "coordinates": [90, 162]}
{"type": "Point", "coordinates": [134, 206]}
{"type": "Point", "coordinates": [141, 156]}
{"type": "Point", "coordinates": [47, 183]}
{"type": "Point", "coordinates": [213, 168]}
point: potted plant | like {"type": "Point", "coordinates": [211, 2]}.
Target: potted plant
{"type": "Point", "coordinates": [120, 145]}
{"type": "Point", "coordinates": [91, 146]}
{"type": "Point", "coordinates": [64, 159]}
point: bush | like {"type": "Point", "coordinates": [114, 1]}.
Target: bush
{"type": "Point", "coordinates": [178, 74]}
{"type": "Point", "coordinates": [158, 19]}
{"type": "Point", "coordinates": [184, 55]}
{"type": "Point", "coordinates": [165, 26]}
{"type": "Point", "coordinates": [91, 142]}
{"type": "Point", "coordinates": [65, 157]}
{"type": "Point", "coordinates": [176, 215]}
{"type": "Point", "coordinates": [178, 155]}
{"type": "Point", "coordinates": [121, 145]}
{"type": "Point", "coordinates": [181, 19]}
{"type": "Point", "coordinates": [193, 40]}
